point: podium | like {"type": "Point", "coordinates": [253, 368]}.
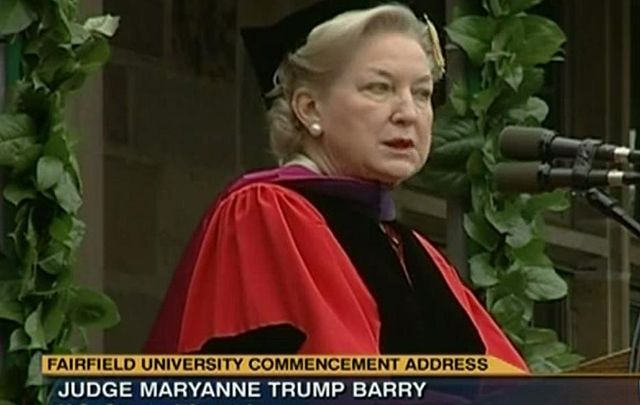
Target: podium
{"type": "Point", "coordinates": [613, 363]}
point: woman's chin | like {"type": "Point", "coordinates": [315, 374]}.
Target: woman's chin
{"type": "Point", "coordinates": [394, 173]}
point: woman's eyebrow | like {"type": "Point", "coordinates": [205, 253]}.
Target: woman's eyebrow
{"type": "Point", "coordinates": [381, 72]}
{"type": "Point", "coordinates": [424, 79]}
{"type": "Point", "coordinates": [386, 74]}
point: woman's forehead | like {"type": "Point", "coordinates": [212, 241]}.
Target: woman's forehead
{"type": "Point", "coordinates": [385, 54]}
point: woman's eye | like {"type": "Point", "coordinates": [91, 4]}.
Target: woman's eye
{"type": "Point", "coordinates": [379, 87]}
{"type": "Point", "coordinates": [423, 94]}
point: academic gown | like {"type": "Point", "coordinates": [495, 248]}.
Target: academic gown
{"type": "Point", "coordinates": [288, 261]}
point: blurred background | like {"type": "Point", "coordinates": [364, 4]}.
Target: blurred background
{"type": "Point", "coordinates": [177, 113]}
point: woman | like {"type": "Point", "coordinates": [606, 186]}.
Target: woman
{"type": "Point", "coordinates": [308, 258]}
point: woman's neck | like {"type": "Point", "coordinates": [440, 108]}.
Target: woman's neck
{"type": "Point", "coordinates": [303, 160]}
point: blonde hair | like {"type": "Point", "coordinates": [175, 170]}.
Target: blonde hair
{"type": "Point", "coordinates": [320, 57]}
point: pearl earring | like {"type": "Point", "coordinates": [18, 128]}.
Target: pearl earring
{"type": "Point", "coordinates": [315, 129]}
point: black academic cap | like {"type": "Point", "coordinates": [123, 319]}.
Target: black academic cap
{"type": "Point", "coordinates": [268, 45]}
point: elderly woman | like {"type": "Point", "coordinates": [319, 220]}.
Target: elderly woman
{"type": "Point", "coordinates": [308, 258]}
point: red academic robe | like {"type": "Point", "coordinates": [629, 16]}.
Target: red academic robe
{"type": "Point", "coordinates": [263, 255]}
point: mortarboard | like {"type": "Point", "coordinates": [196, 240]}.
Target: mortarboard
{"type": "Point", "coordinates": [268, 45]}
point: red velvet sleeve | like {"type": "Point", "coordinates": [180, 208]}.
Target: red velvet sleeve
{"type": "Point", "coordinates": [267, 257]}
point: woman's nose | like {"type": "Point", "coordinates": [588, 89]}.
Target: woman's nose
{"type": "Point", "coordinates": [405, 110]}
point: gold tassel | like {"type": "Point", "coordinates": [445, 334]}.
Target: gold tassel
{"type": "Point", "coordinates": [436, 51]}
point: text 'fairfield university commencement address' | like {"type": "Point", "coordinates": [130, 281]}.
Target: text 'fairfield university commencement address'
{"type": "Point", "coordinates": [201, 365]}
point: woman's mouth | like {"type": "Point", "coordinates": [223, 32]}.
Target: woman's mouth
{"type": "Point", "coordinates": [399, 143]}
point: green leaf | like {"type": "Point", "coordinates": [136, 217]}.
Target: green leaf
{"type": "Point", "coordinates": [535, 336]}
{"type": "Point", "coordinates": [60, 227]}
{"type": "Point", "coordinates": [54, 64]}
{"type": "Point", "coordinates": [497, 8]}
{"type": "Point", "coordinates": [514, 281]}
{"type": "Point", "coordinates": [510, 221]}
{"type": "Point", "coordinates": [67, 194]}
{"type": "Point", "coordinates": [17, 139]}
{"type": "Point", "coordinates": [78, 230]}
{"type": "Point", "coordinates": [544, 350]}
{"type": "Point", "coordinates": [483, 273]}
{"type": "Point", "coordinates": [513, 76]}
{"type": "Point", "coordinates": [532, 254]}
{"type": "Point", "coordinates": [509, 312]}
{"type": "Point", "coordinates": [93, 54]}
{"type": "Point", "coordinates": [441, 182]}
{"type": "Point", "coordinates": [79, 34]}
{"type": "Point", "coordinates": [105, 25]}
{"type": "Point", "coordinates": [54, 318]}
{"type": "Point", "coordinates": [556, 201]}
{"type": "Point", "coordinates": [519, 236]}
{"type": "Point", "coordinates": [15, 16]}
{"type": "Point", "coordinates": [16, 192]}
{"type": "Point", "coordinates": [73, 161]}
{"type": "Point", "coordinates": [19, 340]}
{"type": "Point", "coordinates": [534, 109]}
{"type": "Point", "coordinates": [543, 283]}
{"type": "Point", "coordinates": [566, 361]}
{"type": "Point", "coordinates": [543, 366]}
{"type": "Point", "coordinates": [33, 327]}
{"type": "Point", "coordinates": [10, 288]}
{"type": "Point", "coordinates": [480, 230]}
{"type": "Point", "coordinates": [473, 34]}
{"type": "Point", "coordinates": [480, 195]}
{"type": "Point", "coordinates": [476, 168]}
{"type": "Point", "coordinates": [34, 372]}
{"type": "Point", "coordinates": [532, 81]}
{"type": "Point", "coordinates": [14, 126]}
{"type": "Point", "coordinates": [92, 308]}
{"type": "Point", "coordinates": [510, 34]}
{"type": "Point", "coordinates": [459, 98]}
{"type": "Point", "coordinates": [521, 5]}
{"type": "Point", "coordinates": [54, 263]}
{"type": "Point", "coordinates": [482, 101]}
{"type": "Point", "coordinates": [57, 147]}
{"type": "Point", "coordinates": [49, 171]}
{"type": "Point", "coordinates": [74, 82]}
{"type": "Point", "coordinates": [455, 152]}
{"type": "Point", "coordinates": [12, 310]}
{"type": "Point", "coordinates": [31, 235]}
{"type": "Point", "coordinates": [542, 40]}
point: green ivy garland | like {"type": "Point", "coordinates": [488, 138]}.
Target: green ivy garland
{"type": "Point", "coordinates": [42, 309]}
{"type": "Point", "coordinates": [505, 48]}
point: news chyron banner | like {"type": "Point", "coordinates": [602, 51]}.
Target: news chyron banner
{"type": "Point", "coordinates": [248, 380]}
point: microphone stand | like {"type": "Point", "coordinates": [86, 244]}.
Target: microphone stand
{"type": "Point", "coordinates": [608, 206]}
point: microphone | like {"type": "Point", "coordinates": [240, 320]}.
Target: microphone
{"type": "Point", "coordinates": [534, 177]}
{"type": "Point", "coordinates": [530, 143]}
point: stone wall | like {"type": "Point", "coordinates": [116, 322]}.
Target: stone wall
{"type": "Point", "coordinates": [169, 116]}
{"type": "Point", "coordinates": [182, 116]}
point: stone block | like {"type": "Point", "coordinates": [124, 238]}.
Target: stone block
{"type": "Point", "coordinates": [141, 27]}
{"type": "Point", "coordinates": [138, 312]}
{"type": "Point", "coordinates": [203, 39]}
{"type": "Point", "coordinates": [182, 119]}
{"type": "Point", "coordinates": [116, 104]}
{"type": "Point", "coordinates": [130, 216]}
{"type": "Point", "coordinates": [186, 193]}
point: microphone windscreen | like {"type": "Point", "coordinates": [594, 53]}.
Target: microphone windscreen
{"type": "Point", "coordinates": [518, 177]}
{"type": "Point", "coordinates": [523, 143]}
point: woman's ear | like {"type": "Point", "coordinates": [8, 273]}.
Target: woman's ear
{"type": "Point", "coordinates": [305, 107]}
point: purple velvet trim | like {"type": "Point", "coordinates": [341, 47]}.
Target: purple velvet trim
{"type": "Point", "coordinates": [374, 195]}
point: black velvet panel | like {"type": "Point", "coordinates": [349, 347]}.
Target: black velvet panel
{"type": "Point", "coordinates": [421, 317]}
{"type": "Point", "coordinates": [274, 339]}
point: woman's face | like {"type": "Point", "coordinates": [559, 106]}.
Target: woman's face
{"type": "Point", "coordinates": [376, 114]}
